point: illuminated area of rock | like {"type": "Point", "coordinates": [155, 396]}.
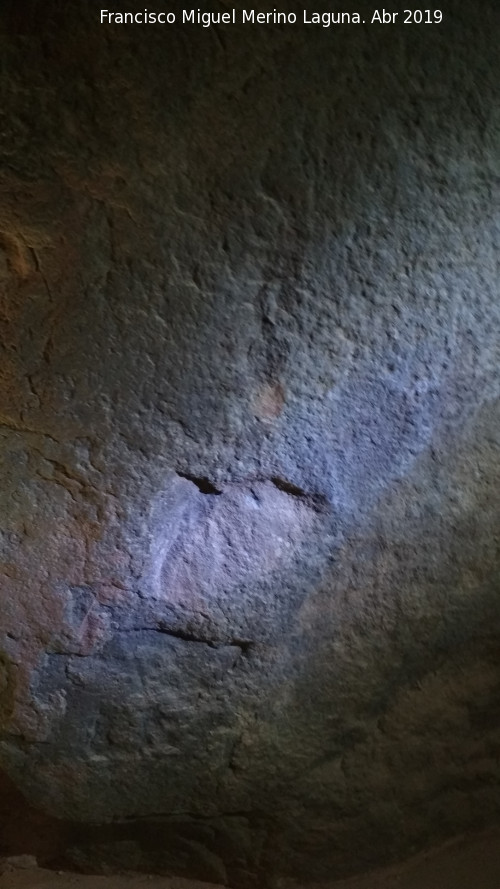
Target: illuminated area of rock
{"type": "Point", "coordinates": [250, 429]}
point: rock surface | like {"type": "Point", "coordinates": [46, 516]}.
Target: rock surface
{"type": "Point", "coordinates": [250, 424]}
{"type": "Point", "coordinates": [462, 864]}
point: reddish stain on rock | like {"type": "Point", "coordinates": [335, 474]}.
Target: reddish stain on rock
{"type": "Point", "coordinates": [269, 402]}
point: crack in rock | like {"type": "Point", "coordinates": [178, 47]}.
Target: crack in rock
{"type": "Point", "coordinates": [204, 485]}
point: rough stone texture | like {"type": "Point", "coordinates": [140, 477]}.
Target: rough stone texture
{"type": "Point", "coordinates": [250, 422]}
{"type": "Point", "coordinates": [18, 877]}
{"type": "Point", "coordinates": [460, 864]}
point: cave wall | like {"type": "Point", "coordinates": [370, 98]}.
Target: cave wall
{"type": "Point", "coordinates": [250, 423]}
{"type": "Point", "coordinates": [458, 864]}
